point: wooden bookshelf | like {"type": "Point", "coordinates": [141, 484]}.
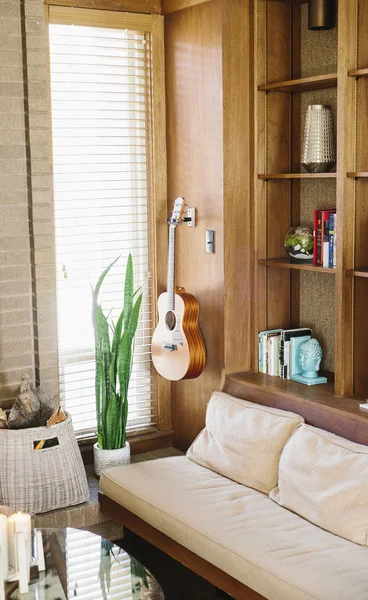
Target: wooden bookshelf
{"type": "Point", "coordinates": [358, 273]}
{"type": "Point", "coordinates": [358, 73]}
{"type": "Point", "coordinates": [285, 263]}
{"type": "Point", "coordinates": [306, 84]}
{"type": "Point", "coordinates": [323, 393]}
{"type": "Point", "coordinates": [278, 137]}
{"type": "Point", "coordinates": [266, 176]}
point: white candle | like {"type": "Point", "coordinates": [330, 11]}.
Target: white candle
{"type": "Point", "coordinates": [12, 548]}
{"type": "Point", "coordinates": [2, 576]}
{"type": "Point", "coordinates": [23, 562]}
{"type": "Point", "coordinates": [23, 524]}
{"type": "Point", "coordinates": [19, 523]}
{"type": "Point", "coordinates": [4, 544]}
{"type": "Point", "coordinates": [39, 551]}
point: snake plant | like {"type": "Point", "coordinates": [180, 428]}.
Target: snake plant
{"type": "Point", "coordinates": [114, 359]}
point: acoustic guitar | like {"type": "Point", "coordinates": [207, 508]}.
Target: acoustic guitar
{"type": "Point", "coordinates": [178, 350]}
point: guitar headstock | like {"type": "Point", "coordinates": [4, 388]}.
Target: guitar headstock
{"type": "Point", "coordinates": [178, 211]}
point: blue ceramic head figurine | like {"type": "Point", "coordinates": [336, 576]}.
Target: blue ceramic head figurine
{"type": "Point", "coordinates": [310, 358]}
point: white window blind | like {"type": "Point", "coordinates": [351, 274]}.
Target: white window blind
{"type": "Point", "coordinates": [90, 573]}
{"type": "Point", "coordinates": [100, 92]}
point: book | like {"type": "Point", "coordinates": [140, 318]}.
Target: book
{"type": "Point", "coordinates": [274, 341]}
{"type": "Point", "coordinates": [265, 354]}
{"type": "Point", "coordinates": [334, 243]}
{"type": "Point", "coordinates": [286, 336]}
{"type": "Point", "coordinates": [317, 237]}
{"type": "Point", "coordinates": [325, 216]}
{"type": "Point", "coordinates": [331, 241]}
{"type": "Point", "coordinates": [260, 352]}
{"type": "Point", "coordinates": [270, 349]}
{"type": "Point", "coordinates": [320, 236]}
{"type": "Point", "coordinates": [287, 358]}
{"type": "Point", "coordinates": [319, 233]}
{"type": "Point", "coordinates": [326, 244]}
{"type": "Point", "coordinates": [264, 349]}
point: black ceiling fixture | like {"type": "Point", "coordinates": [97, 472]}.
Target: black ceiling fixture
{"type": "Point", "coordinates": [321, 14]}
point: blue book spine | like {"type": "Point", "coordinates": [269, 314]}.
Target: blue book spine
{"type": "Point", "coordinates": [331, 241]}
{"type": "Point", "coordinates": [260, 352]}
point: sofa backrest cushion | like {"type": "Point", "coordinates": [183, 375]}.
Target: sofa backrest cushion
{"type": "Point", "coordinates": [243, 440]}
{"type": "Point", "coordinates": [324, 478]}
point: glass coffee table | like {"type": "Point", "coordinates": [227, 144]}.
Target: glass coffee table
{"type": "Point", "coordinates": [83, 565]}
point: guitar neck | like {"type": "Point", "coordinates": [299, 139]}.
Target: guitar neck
{"type": "Point", "coordinates": [171, 269]}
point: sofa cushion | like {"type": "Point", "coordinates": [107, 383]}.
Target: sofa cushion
{"type": "Point", "coordinates": [243, 440]}
{"type": "Point", "coordinates": [324, 478]}
{"type": "Point", "coordinates": [269, 549]}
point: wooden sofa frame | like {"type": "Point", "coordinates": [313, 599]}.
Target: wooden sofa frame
{"type": "Point", "coordinates": [338, 415]}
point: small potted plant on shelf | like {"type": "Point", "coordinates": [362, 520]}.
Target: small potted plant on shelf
{"type": "Point", "coordinates": [114, 358]}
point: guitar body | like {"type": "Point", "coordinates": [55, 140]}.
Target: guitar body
{"type": "Point", "coordinates": [178, 350]}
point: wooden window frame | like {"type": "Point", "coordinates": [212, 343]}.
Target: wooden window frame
{"type": "Point", "coordinates": [68, 13]}
{"type": "Point", "coordinates": [132, 6]}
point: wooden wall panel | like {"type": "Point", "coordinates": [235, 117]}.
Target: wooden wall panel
{"type": "Point", "coordinates": [158, 191]}
{"type": "Point", "coordinates": [362, 44]}
{"type": "Point", "coordinates": [277, 213]}
{"type": "Point", "coordinates": [295, 185]}
{"type": "Point", "coordinates": [169, 6]}
{"type": "Point", "coordinates": [237, 36]}
{"type": "Point", "coordinates": [346, 149]}
{"type": "Point", "coordinates": [260, 166]}
{"type": "Point", "coordinates": [194, 128]}
{"type": "Point", "coordinates": [361, 208]}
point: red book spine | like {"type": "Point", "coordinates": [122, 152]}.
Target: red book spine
{"type": "Point", "coordinates": [318, 238]}
{"type": "Point", "coordinates": [325, 215]}
{"type": "Point", "coordinates": [315, 223]}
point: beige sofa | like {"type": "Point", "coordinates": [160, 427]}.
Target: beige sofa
{"type": "Point", "coordinates": [246, 533]}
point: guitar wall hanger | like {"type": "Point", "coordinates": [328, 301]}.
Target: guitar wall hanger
{"type": "Point", "coordinates": [189, 219]}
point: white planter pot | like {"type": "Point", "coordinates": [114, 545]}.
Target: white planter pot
{"type": "Point", "coordinates": [104, 459]}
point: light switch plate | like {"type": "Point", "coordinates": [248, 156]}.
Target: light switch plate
{"type": "Point", "coordinates": [210, 241]}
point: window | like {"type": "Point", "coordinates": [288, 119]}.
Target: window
{"type": "Point", "coordinates": [100, 82]}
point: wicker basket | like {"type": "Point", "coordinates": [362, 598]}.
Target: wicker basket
{"type": "Point", "coordinates": [36, 481]}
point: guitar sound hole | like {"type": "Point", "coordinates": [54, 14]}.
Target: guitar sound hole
{"type": "Point", "coordinates": [170, 320]}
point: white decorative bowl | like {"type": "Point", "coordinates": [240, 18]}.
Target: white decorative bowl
{"type": "Point", "coordinates": [104, 459]}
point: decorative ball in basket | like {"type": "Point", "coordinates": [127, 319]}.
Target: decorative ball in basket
{"type": "Point", "coordinates": [299, 244]}
{"type": "Point", "coordinates": [41, 468]}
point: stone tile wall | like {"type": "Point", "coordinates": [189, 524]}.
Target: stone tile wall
{"type": "Point", "coordinates": [28, 340]}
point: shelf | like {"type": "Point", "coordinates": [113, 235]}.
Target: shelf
{"type": "Point", "coordinates": [307, 84]}
{"type": "Point", "coordinates": [358, 273]}
{"type": "Point", "coordinates": [358, 73]}
{"type": "Point", "coordinates": [285, 263]}
{"type": "Point", "coordinates": [317, 403]}
{"type": "Point", "coordinates": [267, 176]}
{"type": "Point", "coordinates": [287, 387]}
{"type": "Point", "coordinates": [357, 174]}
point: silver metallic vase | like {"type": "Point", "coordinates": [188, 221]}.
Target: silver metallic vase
{"type": "Point", "coordinates": [318, 150]}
